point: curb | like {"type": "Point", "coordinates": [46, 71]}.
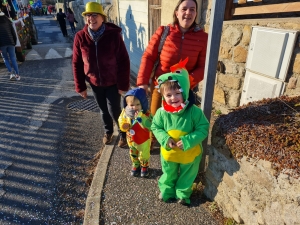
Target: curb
{"type": "Point", "coordinates": [93, 201]}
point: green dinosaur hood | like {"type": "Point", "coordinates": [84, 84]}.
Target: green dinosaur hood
{"type": "Point", "coordinates": [181, 76]}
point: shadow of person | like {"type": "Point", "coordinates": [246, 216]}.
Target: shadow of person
{"type": "Point", "coordinates": [141, 37]}
{"type": "Point", "coordinates": [154, 173]}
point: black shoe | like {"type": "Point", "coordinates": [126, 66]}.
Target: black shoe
{"type": "Point", "coordinates": [144, 172]}
{"type": "Point", "coordinates": [135, 171]}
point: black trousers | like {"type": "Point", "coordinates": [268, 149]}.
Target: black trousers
{"type": "Point", "coordinates": [108, 100]}
{"type": "Point", "coordinates": [63, 28]}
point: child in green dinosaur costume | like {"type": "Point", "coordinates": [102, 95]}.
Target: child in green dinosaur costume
{"type": "Point", "coordinates": [180, 127]}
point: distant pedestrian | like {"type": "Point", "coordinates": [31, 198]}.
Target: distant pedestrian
{"type": "Point", "coordinates": [100, 58]}
{"type": "Point", "coordinates": [61, 18]}
{"type": "Point", "coordinates": [44, 9]}
{"type": "Point", "coordinates": [37, 11]}
{"type": "Point", "coordinates": [8, 40]}
{"type": "Point", "coordinates": [71, 19]}
{"type": "Point", "coordinates": [180, 127]}
{"type": "Point", "coordinates": [50, 9]}
{"type": "Point", "coordinates": [136, 120]}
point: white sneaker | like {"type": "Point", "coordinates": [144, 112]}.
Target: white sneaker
{"type": "Point", "coordinates": [12, 77]}
{"type": "Point", "coordinates": [17, 77]}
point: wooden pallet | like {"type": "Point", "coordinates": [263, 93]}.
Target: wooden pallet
{"type": "Point", "coordinates": [232, 9]}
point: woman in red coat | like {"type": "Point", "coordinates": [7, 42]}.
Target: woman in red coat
{"type": "Point", "coordinates": [50, 9]}
{"type": "Point", "coordinates": [185, 39]}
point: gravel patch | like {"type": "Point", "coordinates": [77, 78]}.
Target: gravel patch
{"type": "Point", "coordinates": [79, 145]}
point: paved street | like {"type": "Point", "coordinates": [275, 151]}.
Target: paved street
{"type": "Point", "coordinates": [49, 136]}
{"type": "Point", "coordinates": [44, 146]}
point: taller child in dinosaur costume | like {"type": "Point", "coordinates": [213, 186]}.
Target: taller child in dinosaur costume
{"type": "Point", "coordinates": [180, 127]}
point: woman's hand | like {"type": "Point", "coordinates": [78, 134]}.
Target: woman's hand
{"type": "Point", "coordinates": [83, 94]}
{"type": "Point", "coordinates": [145, 87]}
{"type": "Point", "coordinates": [122, 92]}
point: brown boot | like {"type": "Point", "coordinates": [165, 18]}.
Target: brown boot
{"type": "Point", "coordinates": [107, 139]}
{"type": "Point", "coordinates": [122, 142]}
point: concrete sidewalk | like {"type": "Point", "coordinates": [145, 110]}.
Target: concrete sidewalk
{"type": "Point", "coordinates": [115, 197]}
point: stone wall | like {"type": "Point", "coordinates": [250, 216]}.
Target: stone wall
{"type": "Point", "coordinates": [233, 52]}
{"type": "Point", "coordinates": [248, 191]}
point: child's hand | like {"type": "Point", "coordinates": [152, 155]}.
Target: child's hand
{"type": "Point", "coordinates": [179, 144]}
{"type": "Point", "coordinates": [136, 114]}
{"type": "Point", "coordinates": [125, 126]}
{"type": "Point", "coordinates": [171, 143]}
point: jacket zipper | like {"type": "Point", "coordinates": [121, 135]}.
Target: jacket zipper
{"type": "Point", "coordinates": [96, 43]}
{"type": "Point", "coordinates": [182, 38]}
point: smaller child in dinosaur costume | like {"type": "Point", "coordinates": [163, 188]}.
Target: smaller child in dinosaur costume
{"type": "Point", "coordinates": [180, 127]}
{"type": "Point", "coordinates": [135, 120]}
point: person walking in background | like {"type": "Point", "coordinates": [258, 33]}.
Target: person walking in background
{"type": "Point", "coordinates": [8, 40]}
{"type": "Point", "coordinates": [136, 120]}
{"type": "Point", "coordinates": [50, 9]}
{"type": "Point", "coordinates": [44, 9]}
{"type": "Point", "coordinates": [185, 39]}
{"type": "Point", "coordinates": [71, 19]}
{"type": "Point", "coordinates": [100, 58]}
{"type": "Point", "coordinates": [180, 127]}
{"type": "Point", "coordinates": [60, 16]}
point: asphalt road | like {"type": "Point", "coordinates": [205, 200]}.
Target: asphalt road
{"type": "Point", "coordinates": [44, 146]}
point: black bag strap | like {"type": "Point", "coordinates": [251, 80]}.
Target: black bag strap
{"type": "Point", "coordinates": [163, 38]}
{"type": "Point", "coordinates": [161, 44]}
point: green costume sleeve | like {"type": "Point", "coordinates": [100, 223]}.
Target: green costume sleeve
{"type": "Point", "coordinates": [157, 128]}
{"type": "Point", "coordinates": [201, 127]}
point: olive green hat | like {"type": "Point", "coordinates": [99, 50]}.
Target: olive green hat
{"type": "Point", "coordinates": [93, 7]}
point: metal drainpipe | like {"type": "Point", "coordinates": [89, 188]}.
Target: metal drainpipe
{"type": "Point", "coordinates": [199, 10]}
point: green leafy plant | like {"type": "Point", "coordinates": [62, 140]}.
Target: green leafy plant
{"type": "Point", "coordinates": [230, 221]}
{"type": "Point", "coordinates": [218, 112]}
{"type": "Point", "coordinates": [213, 207]}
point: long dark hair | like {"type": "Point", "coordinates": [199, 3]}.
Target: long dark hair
{"type": "Point", "coordinates": [70, 11]}
{"type": "Point", "coordinates": [175, 19]}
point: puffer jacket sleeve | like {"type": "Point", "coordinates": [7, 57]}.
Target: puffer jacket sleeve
{"type": "Point", "coordinates": [78, 66]}
{"type": "Point", "coordinates": [197, 74]}
{"type": "Point", "coordinates": [149, 57]}
{"type": "Point", "coordinates": [123, 64]}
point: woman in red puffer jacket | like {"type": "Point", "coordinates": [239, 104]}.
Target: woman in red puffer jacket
{"type": "Point", "coordinates": [185, 39]}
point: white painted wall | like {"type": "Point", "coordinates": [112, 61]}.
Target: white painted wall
{"type": "Point", "coordinates": [134, 24]}
{"type": "Point", "coordinates": [86, 1]}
